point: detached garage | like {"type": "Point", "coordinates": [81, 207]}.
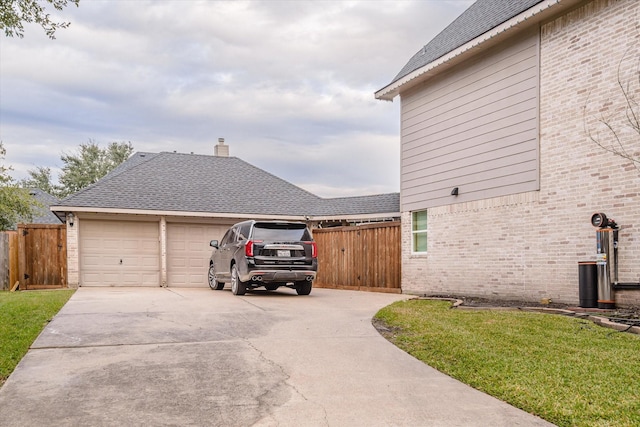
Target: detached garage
{"type": "Point", "coordinates": [149, 222]}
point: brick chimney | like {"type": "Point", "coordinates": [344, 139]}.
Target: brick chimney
{"type": "Point", "coordinates": [221, 150]}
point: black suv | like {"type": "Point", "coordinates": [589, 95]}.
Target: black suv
{"type": "Point", "coordinates": [264, 253]}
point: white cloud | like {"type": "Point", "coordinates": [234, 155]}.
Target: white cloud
{"type": "Point", "coordinates": [288, 84]}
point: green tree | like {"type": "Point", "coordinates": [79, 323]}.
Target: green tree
{"type": "Point", "coordinates": [90, 164]}
{"type": "Point", "coordinates": [14, 13]}
{"type": "Point", "coordinates": [16, 204]}
{"type": "Point", "coordinates": [40, 177]}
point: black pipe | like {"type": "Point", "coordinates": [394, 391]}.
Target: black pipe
{"type": "Point", "coordinates": [621, 286]}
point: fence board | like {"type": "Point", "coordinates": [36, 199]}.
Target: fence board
{"type": "Point", "coordinates": [365, 257]}
{"type": "Point", "coordinates": [8, 259]}
{"type": "Point", "coordinates": [42, 256]}
{"type": "Point", "coordinates": [13, 258]}
{"type": "Point", "coordinates": [4, 261]}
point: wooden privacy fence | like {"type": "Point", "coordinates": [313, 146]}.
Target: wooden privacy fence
{"type": "Point", "coordinates": [365, 257]}
{"type": "Point", "coordinates": [35, 256]}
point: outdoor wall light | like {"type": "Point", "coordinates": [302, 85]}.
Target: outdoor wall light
{"type": "Point", "coordinates": [454, 192]}
{"type": "Point", "coordinates": [70, 217]}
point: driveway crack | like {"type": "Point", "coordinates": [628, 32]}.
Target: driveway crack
{"type": "Point", "coordinates": [264, 399]}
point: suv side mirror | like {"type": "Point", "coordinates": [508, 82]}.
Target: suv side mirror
{"type": "Point", "coordinates": [213, 244]}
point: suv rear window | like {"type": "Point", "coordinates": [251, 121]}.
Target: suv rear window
{"type": "Point", "coordinates": [280, 232]}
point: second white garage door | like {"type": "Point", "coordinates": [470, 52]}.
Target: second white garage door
{"type": "Point", "coordinates": [188, 253]}
{"type": "Point", "coordinates": [119, 253]}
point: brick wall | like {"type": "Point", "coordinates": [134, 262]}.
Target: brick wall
{"type": "Point", "coordinates": [527, 246]}
{"type": "Point", "coordinates": [73, 254]}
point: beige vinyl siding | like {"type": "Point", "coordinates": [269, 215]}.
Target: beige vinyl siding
{"type": "Point", "coordinates": [475, 129]}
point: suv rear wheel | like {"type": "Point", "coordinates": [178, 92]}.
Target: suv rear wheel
{"type": "Point", "coordinates": [238, 287]}
{"type": "Point", "coordinates": [304, 287]}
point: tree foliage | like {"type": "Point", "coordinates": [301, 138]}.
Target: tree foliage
{"type": "Point", "coordinates": [14, 13]}
{"type": "Point", "coordinates": [89, 164]}
{"type": "Point", "coordinates": [16, 204]}
{"type": "Point", "coordinates": [41, 178]}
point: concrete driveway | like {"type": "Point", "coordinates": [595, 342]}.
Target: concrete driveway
{"type": "Point", "coordinates": [183, 357]}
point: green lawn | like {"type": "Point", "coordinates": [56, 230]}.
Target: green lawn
{"type": "Point", "coordinates": [23, 315]}
{"type": "Point", "coordinates": [566, 370]}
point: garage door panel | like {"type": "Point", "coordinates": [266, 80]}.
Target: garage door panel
{"type": "Point", "coordinates": [130, 245]}
{"type": "Point", "coordinates": [119, 253]}
{"type": "Point", "coordinates": [136, 279]}
{"type": "Point", "coordinates": [177, 246]}
{"type": "Point", "coordinates": [113, 245]}
{"type": "Point", "coordinates": [194, 247]}
{"type": "Point", "coordinates": [111, 278]}
{"type": "Point", "coordinates": [179, 278]}
{"type": "Point", "coordinates": [91, 277]}
{"type": "Point", "coordinates": [198, 277]}
{"type": "Point", "coordinates": [179, 263]}
{"type": "Point", "coordinates": [198, 262]}
{"type": "Point", "coordinates": [147, 245]}
{"type": "Point", "coordinates": [91, 261]}
{"type": "Point", "coordinates": [188, 252]}
{"type": "Point", "coordinates": [149, 262]}
{"type": "Point", "coordinates": [91, 243]}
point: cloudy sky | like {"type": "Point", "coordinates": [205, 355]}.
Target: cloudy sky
{"type": "Point", "coordinates": [288, 84]}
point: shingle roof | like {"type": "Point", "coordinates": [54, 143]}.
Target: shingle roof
{"type": "Point", "coordinates": [379, 203]}
{"type": "Point", "coordinates": [43, 215]}
{"type": "Point", "coordinates": [212, 184]}
{"type": "Point", "coordinates": [479, 18]}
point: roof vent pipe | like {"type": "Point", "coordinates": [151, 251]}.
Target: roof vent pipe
{"type": "Point", "coordinates": [221, 150]}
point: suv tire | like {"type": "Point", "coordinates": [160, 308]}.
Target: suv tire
{"type": "Point", "coordinates": [304, 287]}
{"type": "Point", "coordinates": [213, 282]}
{"type": "Point", "coordinates": [238, 287]}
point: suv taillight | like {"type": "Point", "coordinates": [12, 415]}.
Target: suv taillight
{"type": "Point", "coordinates": [314, 249]}
{"type": "Point", "coordinates": [248, 248]}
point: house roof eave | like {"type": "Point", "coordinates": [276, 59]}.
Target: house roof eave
{"type": "Point", "coordinates": [116, 211]}
{"type": "Point", "coordinates": [63, 210]}
{"type": "Point", "coordinates": [356, 217]}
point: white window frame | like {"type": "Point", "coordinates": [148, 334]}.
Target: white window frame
{"type": "Point", "coordinates": [416, 232]}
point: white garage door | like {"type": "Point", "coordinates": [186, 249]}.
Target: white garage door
{"type": "Point", "coordinates": [188, 253]}
{"type": "Point", "coordinates": [119, 253]}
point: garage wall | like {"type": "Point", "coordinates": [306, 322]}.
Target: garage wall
{"type": "Point", "coordinates": [188, 252]}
